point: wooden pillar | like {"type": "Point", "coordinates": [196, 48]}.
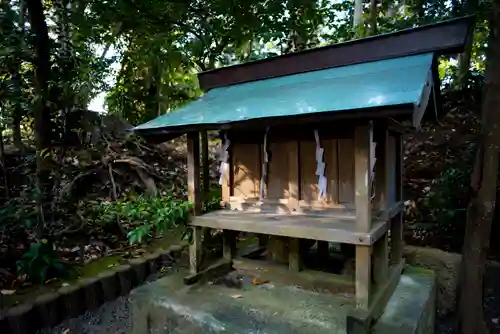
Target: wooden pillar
{"type": "Point", "coordinates": [397, 242]}
{"type": "Point", "coordinates": [362, 140]}
{"type": "Point", "coordinates": [382, 184]}
{"type": "Point", "coordinates": [294, 254]}
{"type": "Point", "coordinates": [323, 249]}
{"type": "Point", "coordinates": [205, 164]}
{"type": "Point", "coordinates": [193, 169]}
{"type": "Point", "coordinates": [228, 244]}
{"type": "Point", "coordinates": [195, 251]}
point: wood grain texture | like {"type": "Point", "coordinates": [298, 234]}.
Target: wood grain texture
{"type": "Point", "coordinates": [346, 170]}
{"type": "Point", "coordinates": [294, 254]}
{"type": "Point", "coordinates": [382, 165]}
{"type": "Point", "coordinates": [381, 260]}
{"type": "Point", "coordinates": [328, 228]}
{"type": "Point", "coordinates": [277, 184]}
{"type": "Point", "coordinates": [193, 170]}
{"type": "Point", "coordinates": [308, 179]}
{"type": "Point", "coordinates": [363, 276]}
{"type": "Point", "coordinates": [195, 251]}
{"type": "Point", "coordinates": [246, 170]}
{"type": "Point", "coordinates": [332, 169]}
{"type": "Point", "coordinates": [362, 142]}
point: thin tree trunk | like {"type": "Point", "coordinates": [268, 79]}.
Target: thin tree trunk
{"type": "Point", "coordinates": [43, 124]}
{"type": "Point", "coordinates": [358, 15]}
{"type": "Point", "coordinates": [16, 77]}
{"type": "Point", "coordinates": [465, 57]}
{"type": "Point", "coordinates": [483, 187]}
{"type": "Point", "coordinates": [373, 17]}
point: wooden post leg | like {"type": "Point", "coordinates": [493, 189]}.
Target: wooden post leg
{"type": "Point", "coordinates": [294, 254]}
{"type": "Point", "coordinates": [195, 250]}
{"type": "Point", "coordinates": [381, 260]}
{"type": "Point", "coordinates": [363, 138]}
{"type": "Point", "coordinates": [228, 244]}
{"type": "Point", "coordinates": [323, 249]}
{"type": "Point", "coordinates": [397, 243]}
{"type": "Point", "coordinates": [363, 276]}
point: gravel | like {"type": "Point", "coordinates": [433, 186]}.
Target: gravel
{"type": "Point", "coordinates": [112, 317]}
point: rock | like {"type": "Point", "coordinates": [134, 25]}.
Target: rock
{"type": "Point", "coordinates": [445, 265]}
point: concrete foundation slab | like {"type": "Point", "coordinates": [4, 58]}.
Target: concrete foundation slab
{"type": "Point", "coordinates": [169, 306]}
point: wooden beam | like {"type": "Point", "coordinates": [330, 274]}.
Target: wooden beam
{"type": "Point", "coordinates": [397, 242]}
{"type": "Point", "coordinates": [362, 141]}
{"type": "Point", "coordinates": [363, 276]}
{"type": "Point", "coordinates": [293, 176]}
{"type": "Point", "coordinates": [359, 321]}
{"type": "Point", "coordinates": [215, 270]}
{"type": "Point", "coordinates": [381, 260]}
{"type": "Point", "coordinates": [193, 170]}
{"type": "Point", "coordinates": [205, 164]}
{"type": "Point", "coordinates": [195, 250]}
{"type": "Point", "coordinates": [294, 255]}
{"type": "Point", "coordinates": [396, 226]}
{"type": "Point", "coordinates": [327, 228]}
{"type": "Point", "coordinates": [323, 249]}
{"type": "Point", "coordinates": [382, 174]}
{"type": "Point", "coordinates": [382, 184]}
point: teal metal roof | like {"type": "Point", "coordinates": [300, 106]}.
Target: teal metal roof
{"type": "Point", "coordinates": [390, 82]}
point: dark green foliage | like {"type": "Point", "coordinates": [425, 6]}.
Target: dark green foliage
{"type": "Point", "coordinates": [212, 199]}
{"type": "Point", "coordinates": [41, 262]}
{"type": "Point", "coordinates": [143, 216]}
{"type": "Point", "coordinates": [443, 209]}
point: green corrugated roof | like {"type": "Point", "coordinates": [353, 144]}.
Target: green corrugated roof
{"type": "Point", "coordinates": [381, 83]}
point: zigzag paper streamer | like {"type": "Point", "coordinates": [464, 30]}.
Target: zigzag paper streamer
{"type": "Point", "coordinates": [320, 167]}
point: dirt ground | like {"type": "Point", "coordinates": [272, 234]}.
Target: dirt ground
{"type": "Point", "coordinates": [491, 303]}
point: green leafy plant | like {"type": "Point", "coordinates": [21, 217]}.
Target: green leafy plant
{"type": "Point", "coordinates": [443, 210]}
{"type": "Point", "coordinates": [144, 216]}
{"type": "Point", "coordinates": [41, 262]}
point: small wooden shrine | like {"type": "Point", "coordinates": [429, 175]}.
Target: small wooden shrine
{"type": "Point", "coordinates": [312, 149]}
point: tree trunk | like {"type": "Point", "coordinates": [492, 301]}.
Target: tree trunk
{"type": "Point", "coordinates": [42, 117]}
{"type": "Point", "coordinates": [16, 78]}
{"type": "Point", "coordinates": [373, 17]}
{"type": "Point", "coordinates": [483, 193]}
{"type": "Point", "coordinates": [358, 16]}
{"type": "Point", "coordinates": [465, 57]}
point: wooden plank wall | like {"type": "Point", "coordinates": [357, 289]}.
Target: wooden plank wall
{"type": "Point", "coordinates": [338, 156]}
{"type": "Point", "coordinates": [246, 170]}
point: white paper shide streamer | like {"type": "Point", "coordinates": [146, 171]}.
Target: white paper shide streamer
{"type": "Point", "coordinates": [224, 159]}
{"type": "Point", "coordinates": [320, 167]}
{"type": "Point", "coordinates": [264, 166]}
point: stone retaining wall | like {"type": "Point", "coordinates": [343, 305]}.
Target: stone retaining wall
{"type": "Point", "coordinates": [52, 308]}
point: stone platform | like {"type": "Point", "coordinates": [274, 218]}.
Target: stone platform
{"type": "Point", "coordinates": [238, 306]}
